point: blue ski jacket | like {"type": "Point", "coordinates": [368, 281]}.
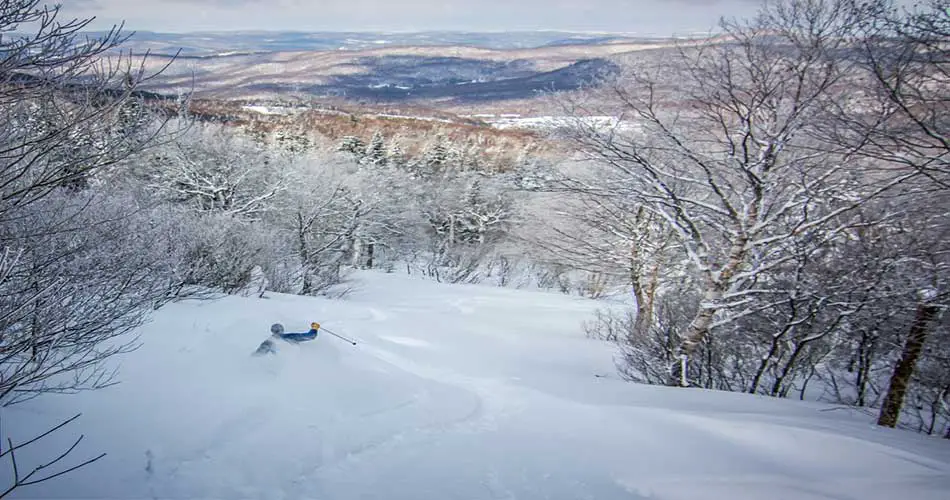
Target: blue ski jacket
{"type": "Point", "coordinates": [299, 337]}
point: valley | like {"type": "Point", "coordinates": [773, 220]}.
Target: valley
{"type": "Point", "coordinates": [461, 74]}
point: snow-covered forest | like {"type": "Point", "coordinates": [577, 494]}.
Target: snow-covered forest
{"type": "Point", "coordinates": [766, 213]}
{"type": "Point", "coordinates": [781, 211]}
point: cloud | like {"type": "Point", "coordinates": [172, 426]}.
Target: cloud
{"type": "Point", "coordinates": [660, 17]}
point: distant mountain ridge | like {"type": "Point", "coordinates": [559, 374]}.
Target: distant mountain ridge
{"type": "Point", "coordinates": [441, 69]}
{"type": "Point", "coordinates": [203, 44]}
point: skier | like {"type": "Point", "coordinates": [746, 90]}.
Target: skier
{"type": "Point", "coordinates": [277, 332]}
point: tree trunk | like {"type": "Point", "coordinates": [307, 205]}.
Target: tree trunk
{"type": "Point", "coordinates": [644, 318]}
{"type": "Point", "coordinates": [698, 328]}
{"type": "Point", "coordinates": [773, 348]}
{"type": "Point", "coordinates": [904, 370]}
{"type": "Point", "coordinates": [307, 286]}
{"type": "Point", "coordinates": [356, 249]}
{"type": "Point", "coordinates": [35, 326]}
{"type": "Point", "coordinates": [786, 370]}
{"type": "Point", "coordinates": [695, 334]}
{"type": "Point", "coordinates": [304, 253]}
{"type": "Point", "coordinates": [865, 359]}
{"type": "Point", "coordinates": [649, 302]}
{"type": "Point", "coordinates": [935, 404]}
{"type": "Point", "coordinates": [715, 285]}
{"type": "Point", "coordinates": [452, 230]}
{"type": "Point", "coordinates": [370, 248]}
{"type": "Point", "coordinates": [764, 363]}
{"type": "Point", "coordinates": [645, 279]}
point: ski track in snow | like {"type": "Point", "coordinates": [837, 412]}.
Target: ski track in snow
{"type": "Point", "coordinates": [220, 439]}
{"type": "Point", "coordinates": [377, 315]}
{"type": "Point", "coordinates": [406, 341]}
{"type": "Point", "coordinates": [453, 392]}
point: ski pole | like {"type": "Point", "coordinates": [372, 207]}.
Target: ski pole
{"type": "Point", "coordinates": [339, 336]}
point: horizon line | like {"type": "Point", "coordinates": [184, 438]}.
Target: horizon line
{"type": "Point", "coordinates": [629, 34]}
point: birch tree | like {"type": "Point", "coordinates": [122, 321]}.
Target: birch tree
{"type": "Point", "coordinates": [609, 236]}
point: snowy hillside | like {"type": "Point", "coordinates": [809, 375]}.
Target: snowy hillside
{"type": "Point", "coordinates": [453, 392]}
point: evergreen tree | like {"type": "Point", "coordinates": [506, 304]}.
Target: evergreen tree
{"type": "Point", "coordinates": [292, 143]}
{"type": "Point", "coordinates": [396, 156]}
{"type": "Point", "coordinates": [353, 145]}
{"type": "Point", "coordinates": [376, 151]}
{"type": "Point", "coordinates": [436, 157]}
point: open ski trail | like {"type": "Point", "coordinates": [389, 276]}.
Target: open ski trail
{"type": "Point", "coordinates": [453, 392]}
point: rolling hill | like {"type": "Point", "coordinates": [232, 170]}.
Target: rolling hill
{"type": "Point", "coordinates": [450, 68]}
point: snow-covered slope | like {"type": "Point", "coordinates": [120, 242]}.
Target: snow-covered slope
{"type": "Point", "coordinates": [454, 392]}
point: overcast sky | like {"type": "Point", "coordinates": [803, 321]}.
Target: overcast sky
{"type": "Point", "coordinates": [648, 17]}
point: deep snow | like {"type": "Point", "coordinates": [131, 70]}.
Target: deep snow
{"type": "Point", "coordinates": [454, 392]}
